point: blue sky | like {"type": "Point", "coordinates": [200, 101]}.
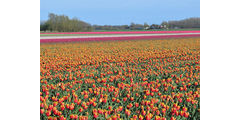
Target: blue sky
{"type": "Point", "coordinates": [118, 12]}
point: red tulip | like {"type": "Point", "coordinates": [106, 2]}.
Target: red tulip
{"type": "Point", "coordinates": [42, 111]}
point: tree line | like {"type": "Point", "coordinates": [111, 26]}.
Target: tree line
{"type": "Point", "coordinates": [186, 23]}
{"type": "Point", "coordinates": [62, 23]}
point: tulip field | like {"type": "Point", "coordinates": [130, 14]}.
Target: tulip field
{"type": "Point", "coordinates": [156, 79]}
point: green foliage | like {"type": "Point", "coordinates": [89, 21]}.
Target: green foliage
{"type": "Point", "coordinates": [62, 23]}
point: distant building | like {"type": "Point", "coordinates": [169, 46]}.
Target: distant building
{"type": "Point", "coordinates": [146, 28]}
